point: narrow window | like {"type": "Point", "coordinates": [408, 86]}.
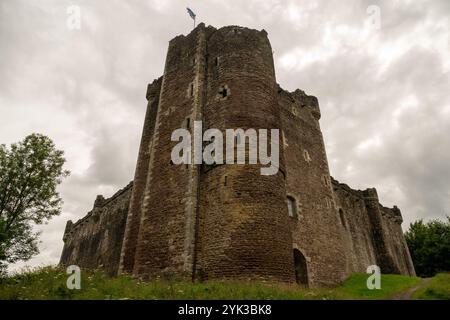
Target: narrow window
{"type": "Point", "coordinates": [325, 180]}
{"type": "Point", "coordinates": [225, 181]}
{"type": "Point", "coordinates": [192, 89]}
{"type": "Point", "coordinates": [216, 61]}
{"type": "Point", "coordinates": [284, 140]}
{"type": "Point", "coordinates": [188, 123]}
{"type": "Point", "coordinates": [306, 156]}
{"type": "Point", "coordinates": [292, 207]}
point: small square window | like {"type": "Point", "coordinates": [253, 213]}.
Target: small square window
{"type": "Point", "coordinates": [223, 92]}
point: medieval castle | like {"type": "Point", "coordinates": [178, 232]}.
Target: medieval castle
{"type": "Point", "coordinates": [229, 221]}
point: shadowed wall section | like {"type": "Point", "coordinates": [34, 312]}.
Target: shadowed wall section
{"type": "Point", "coordinates": [95, 241]}
{"type": "Point", "coordinates": [140, 179]}
{"type": "Point", "coordinates": [371, 233]}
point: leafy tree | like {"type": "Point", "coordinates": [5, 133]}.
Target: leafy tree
{"type": "Point", "coordinates": [429, 245]}
{"type": "Point", "coordinates": [30, 172]}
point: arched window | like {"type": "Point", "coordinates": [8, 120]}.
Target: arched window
{"type": "Point", "coordinates": [292, 207]}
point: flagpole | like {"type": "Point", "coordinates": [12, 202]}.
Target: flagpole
{"type": "Point", "coordinates": [194, 22]}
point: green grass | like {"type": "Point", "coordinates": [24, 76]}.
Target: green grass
{"type": "Point", "coordinates": [438, 288]}
{"type": "Point", "coordinates": [355, 286]}
{"type": "Point", "coordinates": [50, 283]}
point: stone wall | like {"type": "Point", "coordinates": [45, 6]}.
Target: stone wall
{"type": "Point", "coordinates": [166, 232]}
{"type": "Point", "coordinates": [127, 258]}
{"type": "Point", "coordinates": [369, 241]}
{"type": "Point", "coordinates": [95, 241]}
{"type": "Point", "coordinates": [314, 227]}
{"type": "Point", "coordinates": [397, 246]}
{"type": "Point", "coordinates": [243, 230]}
{"type": "Point", "coordinates": [356, 228]}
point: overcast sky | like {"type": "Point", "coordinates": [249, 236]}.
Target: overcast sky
{"type": "Point", "coordinates": [383, 92]}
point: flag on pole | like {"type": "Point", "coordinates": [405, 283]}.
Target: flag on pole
{"type": "Point", "coordinates": [191, 13]}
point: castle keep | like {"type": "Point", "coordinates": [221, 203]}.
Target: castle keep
{"type": "Point", "coordinates": [229, 221]}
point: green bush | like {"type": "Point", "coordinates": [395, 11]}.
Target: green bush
{"type": "Point", "coordinates": [429, 245]}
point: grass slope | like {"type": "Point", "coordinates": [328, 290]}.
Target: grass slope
{"type": "Point", "coordinates": [50, 283]}
{"type": "Point", "coordinates": [438, 288]}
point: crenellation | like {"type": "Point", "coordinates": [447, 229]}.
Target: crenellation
{"type": "Point", "coordinates": [99, 204]}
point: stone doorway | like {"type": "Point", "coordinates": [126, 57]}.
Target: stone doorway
{"type": "Point", "coordinates": [301, 271]}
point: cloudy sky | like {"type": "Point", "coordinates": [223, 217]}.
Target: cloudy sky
{"type": "Point", "coordinates": [383, 86]}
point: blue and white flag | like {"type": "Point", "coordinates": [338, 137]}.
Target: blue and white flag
{"type": "Point", "coordinates": [191, 13]}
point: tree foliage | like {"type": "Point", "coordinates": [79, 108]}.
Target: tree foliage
{"type": "Point", "coordinates": [30, 172]}
{"type": "Point", "coordinates": [429, 245]}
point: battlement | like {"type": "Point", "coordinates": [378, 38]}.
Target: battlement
{"type": "Point", "coordinates": [153, 89]}
{"type": "Point", "coordinates": [99, 204]}
{"type": "Point", "coordinates": [228, 30]}
{"type": "Point", "coordinates": [368, 195]}
{"type": "Point", "coordinates": [301, 103]}
{"type": "Point", "coordinates": [393, 213]}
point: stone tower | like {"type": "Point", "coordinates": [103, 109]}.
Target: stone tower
{"type": "Point", "coordinates": [229, 221]}
{"type": "Point", "coordinates": [193, 220]}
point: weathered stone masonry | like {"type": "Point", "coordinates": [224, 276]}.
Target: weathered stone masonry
{"type": "Point", "coordinates": [95, 241]}
{"type": "Point", "coordinates": [228, 221]}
